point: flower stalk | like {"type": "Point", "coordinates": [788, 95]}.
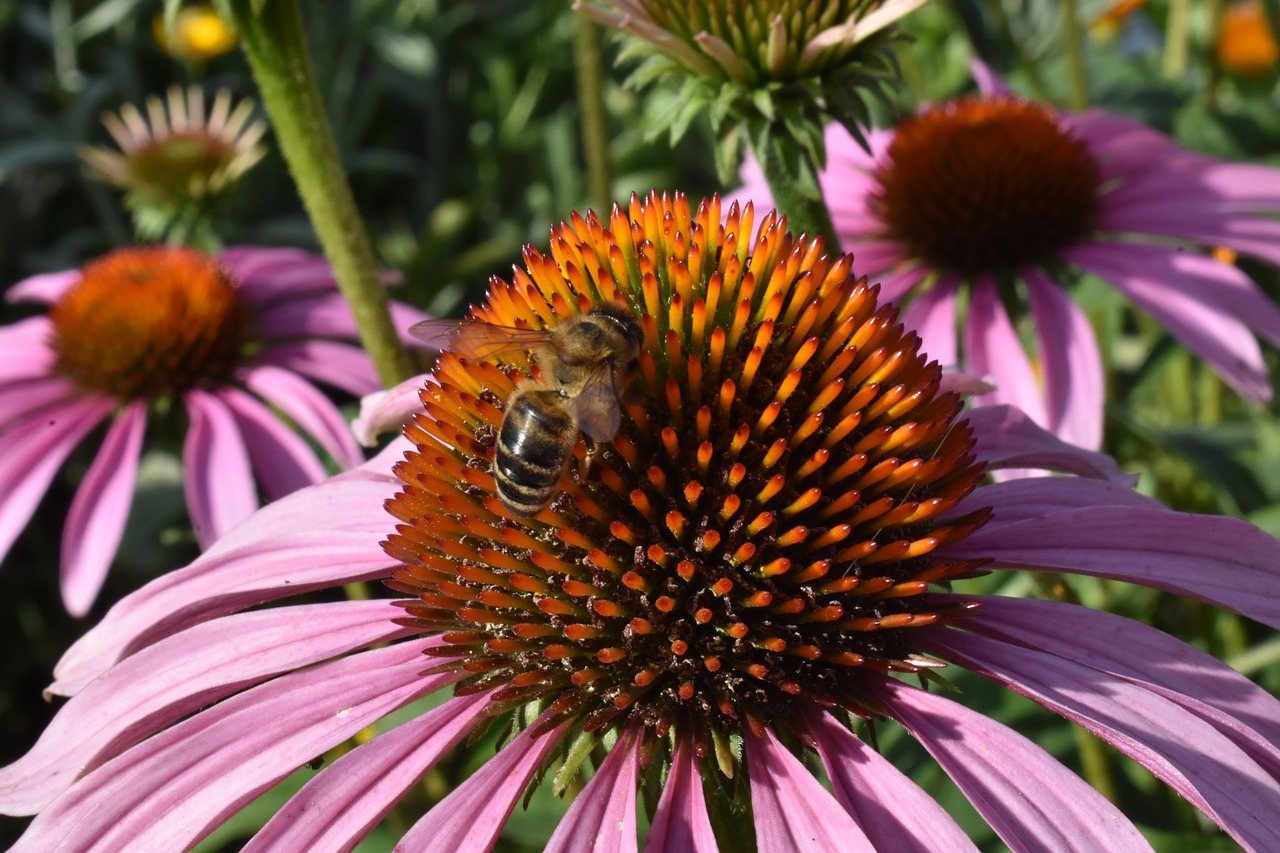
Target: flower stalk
{"type": "Point", "coordinates": [793, 181]}
{"type": "Point", "coordinates": [275, 41]}
{"type": "Point", "coordinates": [589, 66]}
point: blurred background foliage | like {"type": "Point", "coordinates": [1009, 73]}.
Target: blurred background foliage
{"type": "Point", "coordinates": [459, 124]}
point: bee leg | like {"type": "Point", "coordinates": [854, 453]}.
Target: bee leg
{"type": "Point", "coordinates": [584, 467]}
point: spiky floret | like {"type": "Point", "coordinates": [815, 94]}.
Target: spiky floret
{"type": "Point", "coordinates": [760, 532]}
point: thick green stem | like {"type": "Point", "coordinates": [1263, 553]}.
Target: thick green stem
{"type": "Point", "coordinates": [276, 43]}
{"type": "Point", "coordinates": [793, 181]}
{"type": "Point", "coordinates": [589, 63]}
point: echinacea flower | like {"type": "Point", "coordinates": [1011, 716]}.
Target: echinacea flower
{"type": "Point", "coordinates": [177, 161]}
{"type": "Point", "coordinates": [741, 574]}
{"type": "Point", "coordinates": [998, 199]}
{"type": "Point", "coordinates": [781, 64]}
{"type": "Point", "coordinates": [230, 345]}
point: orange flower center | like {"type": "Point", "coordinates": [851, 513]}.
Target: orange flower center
{"type": "Point", "coordinates": [760, 532]}
{"type": "Point", "coordinates": [986, 185]}
{"type": "Point", "coordinates": [149, 322]}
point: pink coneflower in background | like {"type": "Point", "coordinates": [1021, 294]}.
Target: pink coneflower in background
{"type": "Point", "coordinates": [230, 345]}
{"type": "Point", "coordinates": [770, 538]}
{"type": "Point", "coordinates": [994, 200]}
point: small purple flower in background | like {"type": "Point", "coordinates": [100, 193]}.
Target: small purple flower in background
{"type": "Point", "coordinates": [232, 344]}
{"type": "Point", "coordinates": [991, 199]}
{"type": "Point", "coordinates": [769, 539]}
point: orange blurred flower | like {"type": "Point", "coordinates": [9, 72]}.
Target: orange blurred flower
{"type": "Point", "coordinates": [1246, 45]}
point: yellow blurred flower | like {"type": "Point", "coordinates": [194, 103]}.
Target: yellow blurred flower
{"type": "Point", "coordinates": [198, 33]}
{"type": "Point", "coordinates": [1246, 45]}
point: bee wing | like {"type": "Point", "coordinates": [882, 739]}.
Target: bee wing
{"type": "Point", "coordinates": [596, 410]}
{"type": "Point", "coordinates": [476, 340]}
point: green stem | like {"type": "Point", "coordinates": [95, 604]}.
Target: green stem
{"type": "Point", "coordinates": [589, 65]}
{"type": "Point", "coordinates": [1078, 96]}
{"type": "Point", "coordinates": [276, 43]}
{"type": "Point", "coordinates": [1177, 37]}
{"type": "Point", "coordinates": [793, 181]}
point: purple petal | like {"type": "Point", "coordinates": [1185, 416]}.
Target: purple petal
{"type": "Point", "coordinates": [343, 366]}
{"type": "Point", "coordinates": [1006, 438]}
{"type": "Point", "coordinates": [1016, 501]}
{"type": "Point", "coordinates": [895, 812]}
{"type": "Point", "coordinates": [472, 816]}
{"type": "Point", "coordinates": [792, 809]}
{"type": "Point", "coordinates": [282, 461]}
{"type": "Point", "coordinates": [333, 533]}
{"type": "Point", "coordinates": [98, 512]}
{"type": "Point", "coordinates": [33, 450]}
{"type": "Point", "coordinates": [1188, 754]}
{"type": "Point", "coordinates": [1073, 378]}
{"type": "Point", "coordinates": [932, 316]}
{"type": "Point", "coordinates": [339, 805]}
{"type": "Point", "coordinates": [388, 411]}
{"type": "Point", "coordinates": [217, 478]}
{"type": "Point", "coordinates": [181, 674]}
{"type": "Point", "coordinates": [1224, 561]}
{"type": "Point", "coordinates": [1028, 798]}
{"type": "Point", "coordinates": [1223, 341]}
{"type": "Point", "coordinates": [1138, 653]}
{"type": "Point", "coordinates": [311, 409]}
{"type": "Point", "coordinates": [680, 821]}
{"type": "Point", "coordinates": [326, 316]}
{"type": "Point", "coordinates": [46, 287]}
{"type": "Point", "coordinates": [174, 788]}
{"type": "Point", "coordinates": [896, 283]}
{"type": "Point", "coordinates": [992, 349]}
{"type": "Point", "coordinates": [603, 816]}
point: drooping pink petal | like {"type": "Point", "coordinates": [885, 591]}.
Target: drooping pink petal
{"type": "Point", "coordinates": [1199, 682]}
{"type": "Point", "coordinates": [344, 366]}
{"type": "Point", "coordinates": [680, 821]}
{"type": "Point", "coordinates": [1075, 389]}
{"type": "Point", "coordinates": [95, 521]}
{"type": "Point", "coordinates": [896, 283]}
{"type": "Point", "coordinates": [1156, 547]}
{"type": "Point", "coordinates": [792, 809]}
{"type": "Point", "coordinates": [894, 812]}
{"type": "Point", "coordinates": [1223, 341]}
{"type": "Point", "coordinates": [181, 674]}
{"type": "Point", "coordinates": [932, 316]}
{"type": "Point", "coordinates": [31, 452]}
{"type": "Point", "coordinates": [23, 399]}
{"type": "Point", "coordinates": [325, 315]}
{"type": "Point", "coordinates": [989, 82]}
{"type": "Point", "coordinates": [217, 478]}
{"type": "Point", "coordinates": [602, 818]}
{"type": "Point", "coordinates": [992, 349]}
{"type": "Point", "coordinates": [1199, 277]}
{"type": "Point", "coordinates": [335, 528]}
{"type": "Point", "coordinates": [345, 800]}
{"type": "Point", "coordinates": [1031, 801]}
{"type": "Point", "coordinates": [1006, 438]}
{"type": "Point", "coordinates": [472, 816]}
{"type": "Point", "coordinates": [171, 790]}
{"type": "Point", "coordinates": [387, 411]}
{"type": "Point", "coordinates": [264, 274]}
{"type": "Point", "coordinates": [1185, 752]}
{"type": "Point", "coordinates": [312, 410]}
{"type": "Point", "coordinates": [46, 287]}
{"type": "Point", "coordinates": [282, 461]}
{"type": "Point", "coordinates": [27, 354]}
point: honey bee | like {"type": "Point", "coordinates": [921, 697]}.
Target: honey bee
{"type": "Point", "coordinates": [587, 361]}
